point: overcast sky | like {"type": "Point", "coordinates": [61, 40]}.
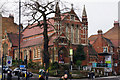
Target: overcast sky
{"type": "Point", "coordinates": [101, 13]}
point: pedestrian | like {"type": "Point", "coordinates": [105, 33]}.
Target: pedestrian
{"type": "Point", "coordinates": [9, 75]}
{"type": "Point", "coordinates": [28, 75]}
{"type": "Point", "coordinates": [47, 74]}
{"type": "Point", "coordinates": [66, 75]}
{"type": "Point", "coordinates": [61, 78]}
{"type": "Point", "coordinates": [41, 77]}
{"type": "Point", "coordinates": [92, 75]}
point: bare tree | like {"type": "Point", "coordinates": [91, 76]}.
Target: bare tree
{"type": "Point", "coordinates": [38, 11]}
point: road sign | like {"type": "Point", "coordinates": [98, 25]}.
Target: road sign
{"type": "Point", "coordinates": [71, 52]}
{"type": "Point", "coordinates": [22, 66]}
{"type": "Point", "coordinates": [9, 61]}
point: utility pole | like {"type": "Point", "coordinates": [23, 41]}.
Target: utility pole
{"type": "Point", "coordinates": [2, 65]}
{"type": "Point", "coordinates": [19, 34]}
{"type": "Point", "coordinates": [26, 67]}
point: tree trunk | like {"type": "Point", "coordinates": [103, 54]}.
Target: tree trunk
{"type": "Point", "coordinates": [45, 52]}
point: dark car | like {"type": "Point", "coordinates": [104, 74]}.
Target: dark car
{"type": "Point", "coordinates": [23, 72]}
{"type": "Point", "coordinates": [15, 71]}
{"type": "Point", "coordinates": [6, 69]}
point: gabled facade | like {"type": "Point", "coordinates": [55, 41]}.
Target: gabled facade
{"type": "Point", "coordinates": [8, 27]}
{"type": "Point", "coordinates": [108, 43]}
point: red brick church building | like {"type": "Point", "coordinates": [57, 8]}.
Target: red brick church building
{"type": "Point", "coordinates": [68, 32]}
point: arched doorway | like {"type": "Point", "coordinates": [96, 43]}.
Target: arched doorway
{"type": "Point", "coordinates": [63, 55]}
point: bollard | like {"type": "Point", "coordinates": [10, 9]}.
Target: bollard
{"type": "Point", "coordinates": [25, 75]}
{"type": "Point", "coordinates": [39, 76]}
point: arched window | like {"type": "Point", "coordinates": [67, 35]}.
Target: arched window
{"type": "Point", "coordinates": [25, 53]}
{"type": "Point", "coordinates": [34, 51]}
{"type": "Point", "coordinates": [72, 32]}
{"type": "Point", "coordinates": [67, 25]}
{"type": "Point", "coordinates": [76, 34]}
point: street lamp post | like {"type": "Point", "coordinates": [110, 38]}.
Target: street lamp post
{"type": "Point", "coordinates": [2, 66]}
{"type": "Point", "coordinates": [26, 67]}
{"type": "Point", "coordinates": [19, 34]}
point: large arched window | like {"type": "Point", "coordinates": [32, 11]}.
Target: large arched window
{"type": "Point", "coordinates": [67, 25]}
{"type": "Point", "coordinates": [76, 34]}
{"type": "Point", "coordinates": [72, 32]}
{"type": "Point", "coordinates": [25, 53]}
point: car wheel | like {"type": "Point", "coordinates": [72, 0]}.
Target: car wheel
{"type": "Point", "coordinates": [14, 73]}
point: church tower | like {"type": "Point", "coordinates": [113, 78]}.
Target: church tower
{"type": "Point", "coordinates": [57, 18]}
{"type": "Point", "coordinates": [84, 36]}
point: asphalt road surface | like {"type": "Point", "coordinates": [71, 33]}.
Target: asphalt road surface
{"type": "Point", "coordinates": [0, 71]}
{"type": "Point", "coordinates": [35, 77]}
{"type": "Point", "coordinates": [55, 78]}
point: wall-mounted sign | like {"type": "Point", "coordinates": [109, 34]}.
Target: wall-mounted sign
{"type": "Point", "coordinates": [71, 52]}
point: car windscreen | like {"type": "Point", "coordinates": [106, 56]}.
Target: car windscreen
{"type": "Point", "coordinates": [5, 67]}
{"type": "Point", "coordinates": [23, 69]}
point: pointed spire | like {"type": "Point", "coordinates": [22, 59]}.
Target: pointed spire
{"type": "Point", "coordinates": [72, 6]}
{"type": "Point", "coordinates": [84, 12]}
{"type": "Point", "coordinates": [72, 9]}
{"type": "Point", "coordinates": [57, 14]}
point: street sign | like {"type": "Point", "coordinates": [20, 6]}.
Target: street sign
{"type": "Point", "coordinates": [71, 52]}
{"type": "Point", "coordinates": [9, 61]}
{"type": "Point", "coordinates": [22, 66]}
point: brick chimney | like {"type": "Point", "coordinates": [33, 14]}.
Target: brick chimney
{"type": "Point", "coordinates": [11, 17]}
{"type": "Point", "coordinates": [100, 33]}
{"type": "Point", "coordinates": [116, 24]}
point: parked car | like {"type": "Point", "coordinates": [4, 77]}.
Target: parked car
{"type": "Point", "coordinates": [23, 72]}
{"type": "Point", "coordinates": [6, 69]}
{"type": "Point", "coordinates": [15, 71]}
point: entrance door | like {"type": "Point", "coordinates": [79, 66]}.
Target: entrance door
{"type": "Point", "coordinates": [63, 55]}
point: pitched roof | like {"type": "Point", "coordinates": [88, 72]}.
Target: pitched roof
{"type": "Point", "coordinates": [112, 34]}
{"type": "Point", "coordinates": [92, 38]}
{"type": "Point", "coordinates": [108, 41]}
{"type": "Point", "coordinates": [32, 42]}
{"type": "Point", "coordinates": [91, 50]}
{"type": "Point", "coordinates": [31, 31]}
{"type": "Point", "coordinates": [14, 38]}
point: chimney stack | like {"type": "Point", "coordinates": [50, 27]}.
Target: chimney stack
{"type": "Point", "coordinates": [116, 23]}
{"type": "Point", "coordinates": [100, 33]}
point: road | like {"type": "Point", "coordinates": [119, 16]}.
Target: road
{"type": "Point", "coordinates": [55, 78]}
{"type": "Point", "coordinates": [35, 77]}
{"type": "Point", "coordinates": [0, 71]}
